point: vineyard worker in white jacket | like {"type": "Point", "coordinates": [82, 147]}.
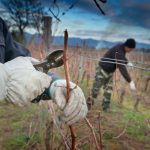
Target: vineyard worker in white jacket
{"type": "Point", "coordinates": [22, 84]}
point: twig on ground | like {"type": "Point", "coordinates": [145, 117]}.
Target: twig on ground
{"type": "Point", "coordinates": [92, 130]}
{"type": "Point", "coordinates": [100, 136]}
{"type": "Point", "coordinates": [123, 131]}
{"type": "Point", "coordinates": [52, 112]}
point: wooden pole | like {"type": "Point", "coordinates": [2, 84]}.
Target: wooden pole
{"type": "Point", "coordinates": [47, 33]}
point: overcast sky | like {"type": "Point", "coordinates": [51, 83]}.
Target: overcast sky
{"type": "Point", "coordinates": [123, 19]}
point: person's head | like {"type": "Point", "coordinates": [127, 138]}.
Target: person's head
{"type": "Point", "coordinates": [129, 45]}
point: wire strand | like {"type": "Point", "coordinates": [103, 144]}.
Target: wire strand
{"type": "Point", "coordinates": [134, 66]}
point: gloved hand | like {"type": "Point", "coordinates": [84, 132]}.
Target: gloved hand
{"type": "Point", "coordinates": [73, 110]}
{"type": "Point", "coordinates": [132, 86]}
{"type": "Point", "coordinates": [129, 64]}
{"type": "Point", "coordinates": [22, 82]}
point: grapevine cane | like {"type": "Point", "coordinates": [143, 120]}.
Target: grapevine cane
{"type": "Point", "coordinates": [68, 83]}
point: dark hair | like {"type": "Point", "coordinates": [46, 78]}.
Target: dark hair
{"type": "Point", "coordinates": [130, 43]}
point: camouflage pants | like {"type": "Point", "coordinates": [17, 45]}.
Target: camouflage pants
{"type": "Point", "coordinates": [105, 80]}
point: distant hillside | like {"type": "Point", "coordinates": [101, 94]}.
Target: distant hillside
{"type": "Point", "coordinates": [73, 41]}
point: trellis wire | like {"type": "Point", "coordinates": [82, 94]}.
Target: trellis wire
{"type": "Point", "coordinates": [134, 66]}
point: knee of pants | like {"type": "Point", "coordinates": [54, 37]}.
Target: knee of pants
{"type": "Point", "coordinates": [94, 93]}
{"type": "Point", "coordinates": [107, 95]}
{"type": "Point", "coordinates": [105, 101]}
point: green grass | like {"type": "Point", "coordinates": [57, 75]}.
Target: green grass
{"type": "Point", "coordinates": [137, 125]}
{"type": "Point", "coordinates": [21, 140]}
{"type": "Point", "coordinates": [14, 126]}
{"type": "Point", "coordinates": [17, 141]}
{"type": "Point", "coordinates": [136, 129]}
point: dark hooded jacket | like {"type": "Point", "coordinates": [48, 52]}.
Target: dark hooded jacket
{"type": "Point", "coordinates": [9, 49]}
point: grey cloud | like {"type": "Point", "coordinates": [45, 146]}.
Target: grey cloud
{"type": "Point", "coordinates": [133, 12]}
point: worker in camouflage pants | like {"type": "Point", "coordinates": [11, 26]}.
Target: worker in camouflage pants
{"type": "Point", "coordinates": [114, 58]}
{"type": "Point", "coordinates": [105, 80]}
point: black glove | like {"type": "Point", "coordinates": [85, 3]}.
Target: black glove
{"type": "Point", "coordinates": [44, 96]}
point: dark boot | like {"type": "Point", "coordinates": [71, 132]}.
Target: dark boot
{"type": "Point", "coordinates": [105, 107]}
{"type": "Point", "coordinates": [90, 102]}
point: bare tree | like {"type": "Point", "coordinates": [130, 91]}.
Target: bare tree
{"type": "Point", "coordinates": [23, 14]}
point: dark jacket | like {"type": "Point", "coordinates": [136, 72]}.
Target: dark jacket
{"type": "Point", "coordinates": [116, 54]}
{"type": "Point", "coordinates": [9, 49]}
